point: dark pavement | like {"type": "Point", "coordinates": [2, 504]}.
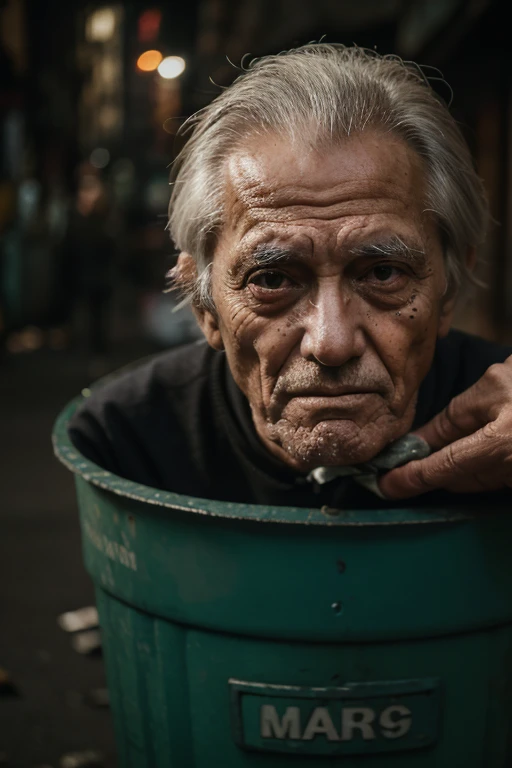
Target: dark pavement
{"type": "Point", "coordinates": [41, 571]}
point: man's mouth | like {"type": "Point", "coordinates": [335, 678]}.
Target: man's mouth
{"type": "Point", "coordinates": [333, 391]}
{"type": "Point", "coordinates": [319, 399]}
{"type": "Point", "coordinates": [339, 405]}
{"type": "Point", "coordinates": [333, 405]}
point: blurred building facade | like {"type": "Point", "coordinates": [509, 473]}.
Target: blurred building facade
{"type": "Point", "coordinates": [76, 87]}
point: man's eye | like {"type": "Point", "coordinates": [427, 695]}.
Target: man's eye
{"type": "Point", "coordinates": [269, 280]}
{"type": "Point", "coordinates": [384, 274]}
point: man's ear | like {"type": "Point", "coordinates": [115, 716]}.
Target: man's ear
{"type": "Point", "coordinates": [448, 308]}
{"type": "Point", "coordinates": [185, 275]}
{"type": "Point", "coordinates": [209, 325]}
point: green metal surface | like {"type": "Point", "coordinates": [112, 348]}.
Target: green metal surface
{"type": "Point", "coordinates": [217, 617]}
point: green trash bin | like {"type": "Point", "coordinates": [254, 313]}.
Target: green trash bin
{"type": "Point", "coordinates": [241, 635]}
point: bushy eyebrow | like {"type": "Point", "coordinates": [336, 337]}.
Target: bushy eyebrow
{"type": "Point", "coordinates": [273, 256]}
{"type": "Point", "coordinates": [392, 248]}
{"type": "Point", "coordinates": [261, 256]}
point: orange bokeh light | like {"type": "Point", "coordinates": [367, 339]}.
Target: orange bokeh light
{"type": "Point", "coordinates": [149, 60]}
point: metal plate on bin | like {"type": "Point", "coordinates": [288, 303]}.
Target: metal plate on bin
{"type": "Point", "coordinates": [357, 718]}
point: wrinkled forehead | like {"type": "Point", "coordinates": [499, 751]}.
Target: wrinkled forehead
{"type": "Point", "coordinates": [269, 176]}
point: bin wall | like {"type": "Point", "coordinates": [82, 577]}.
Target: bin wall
{"type": "Point", "coordinates": [332, 583]}
{"type": "Point", "coordinates": [173, 708]}
{"type": "Point", "coordinates": [237, 642]}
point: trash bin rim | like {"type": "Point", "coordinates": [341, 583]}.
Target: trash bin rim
{"type": "Point", "coordinates": [71, 457]}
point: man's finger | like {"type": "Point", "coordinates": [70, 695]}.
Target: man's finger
{"type": "Point", "coordinates": [463, 416]}
{"type": "Point", "coordinates": [465, 466]}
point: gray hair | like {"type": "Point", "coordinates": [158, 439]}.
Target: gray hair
{"type": "Point", "coordinates": [319, 94]}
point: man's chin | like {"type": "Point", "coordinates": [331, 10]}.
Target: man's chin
{"type": "Point", "coordinates": [334, 442]}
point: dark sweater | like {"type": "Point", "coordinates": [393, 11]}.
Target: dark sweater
{"type": "Point", "coordinates": [180, 423]}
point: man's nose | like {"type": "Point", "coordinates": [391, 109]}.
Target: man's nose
{"type": "Point", "coordinates": [332, 331]}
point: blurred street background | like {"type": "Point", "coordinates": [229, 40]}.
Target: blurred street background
{"type": "Point", "coordinates": [92, 96]}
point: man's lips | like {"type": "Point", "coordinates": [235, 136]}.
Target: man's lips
{"type": "Point", "coordinates": [334, 405]}
{"type": "Point", "coordinates": [311, 409]}
{"type": "Point", "coordinates": [326, 403]}
{"type": "Point", "coordinates": [334, 392]}
{"type": "Point", "coordinates": [348, 401]}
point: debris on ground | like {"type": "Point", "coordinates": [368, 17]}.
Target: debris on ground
{"type": "Point", "coordinates": [87, 643]}
{"type": "Point", "coordinates": [79, 620]}
{"type": "Point", "coordinates": [89, 758]}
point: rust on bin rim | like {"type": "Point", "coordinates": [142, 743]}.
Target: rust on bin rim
{"type": "Point", "coordinates": [94, 474]}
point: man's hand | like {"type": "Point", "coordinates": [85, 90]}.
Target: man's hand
{"type": "Point", "coordinates": [471, 439]}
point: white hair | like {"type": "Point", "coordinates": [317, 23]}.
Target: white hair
{"type": "Point", "coordinates": [317, 95]}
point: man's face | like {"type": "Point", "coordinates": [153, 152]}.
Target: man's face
{"type": "Point", "coordinates": [328, 280]}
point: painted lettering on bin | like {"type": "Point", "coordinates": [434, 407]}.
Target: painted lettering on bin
{"type": "Point", "coordinates": [112, 549]}
{"type": "Point", "coordinates": [355, 718]}
{"type": "Point", "coordinates": [393, 722]}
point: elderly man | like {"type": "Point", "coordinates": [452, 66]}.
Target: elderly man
{"type": "Point", "coordinates": [326, 212]}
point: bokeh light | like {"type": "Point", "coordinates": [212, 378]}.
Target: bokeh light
{"type": "Point", "coordinates": [149, 60]}
{"type": "Point", "coordinates": [149, 25]}
{"type": "Point", "coordinates": [171, 67]}
{"type": "Point", "coordinates": [101, 25]}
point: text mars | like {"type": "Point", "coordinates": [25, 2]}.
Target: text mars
{"type": "Point", "coordinates": [363, 722]}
